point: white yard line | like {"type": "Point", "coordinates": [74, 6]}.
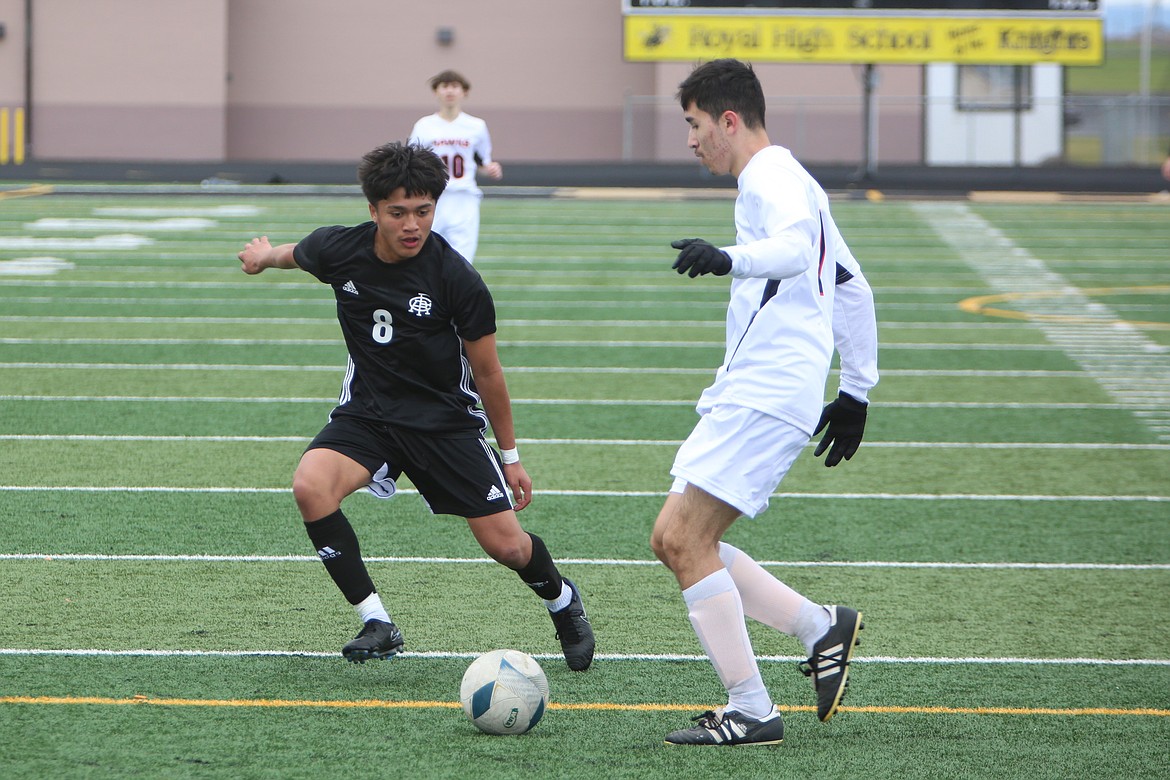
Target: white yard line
{"type": "Point", "coordinates": [202, 558]}
{"type": "Point", "coordinates": [555, 402]}
{"type": "Point", "coordinates": [948, 346]}
{"type": "Point", "coordinates": [659, 657]}
{"type": "Point", "coordinates": [522, 369]}
{"type": "Point", "coordinates": [1156, 499]}
{"type": "Point", "coordinates": [928, 445]}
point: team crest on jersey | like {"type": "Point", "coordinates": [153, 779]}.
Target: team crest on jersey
{"type": "Point", "coordinates": [420, 305]}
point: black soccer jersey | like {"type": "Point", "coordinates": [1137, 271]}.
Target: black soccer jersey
{"type": "Point", "coordinates": [403, 324]}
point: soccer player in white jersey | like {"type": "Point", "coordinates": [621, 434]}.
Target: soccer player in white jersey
{"type": "Point", "coordinates": [796, 292]}
{"type": "Point", "coordinates": [464, 145]}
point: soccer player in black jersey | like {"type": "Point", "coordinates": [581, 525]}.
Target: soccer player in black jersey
{"type": "Point", "coordinates": [422, 384]}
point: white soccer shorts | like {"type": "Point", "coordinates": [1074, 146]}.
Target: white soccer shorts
{"type": "Point", "coordinates": [738, 455]}
{"type": "Point", "coordinates": [457, 220]}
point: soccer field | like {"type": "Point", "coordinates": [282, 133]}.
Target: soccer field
{"type": "Point", "coordinates": [1005, 526]}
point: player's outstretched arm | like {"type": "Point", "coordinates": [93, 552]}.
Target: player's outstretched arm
{"type": "Point", "coordinates": [258, 254]}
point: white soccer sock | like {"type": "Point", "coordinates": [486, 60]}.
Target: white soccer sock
{"type": "Point", "coordinates": [562, 600]}
{"type": "Point", "coordinates": [717, 616]}
{"type": "Point", "coordinates": [770, 601]}
{"type": "Point", "coordinates": [371, 608]}
{"type": "Point", "coordinates": [811, 625]}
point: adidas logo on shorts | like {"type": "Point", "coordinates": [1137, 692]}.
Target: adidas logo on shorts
{"type": "Point", "coordinates": [494, 494]}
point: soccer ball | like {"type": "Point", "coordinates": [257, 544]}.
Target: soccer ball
{"type": "Point", "coordinates": [504, 692]}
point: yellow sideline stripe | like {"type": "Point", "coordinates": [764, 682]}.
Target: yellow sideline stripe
{"type": "Point", "coordinates": [590, 706]}
{"type": "Point", "coordinates": [27, 192]}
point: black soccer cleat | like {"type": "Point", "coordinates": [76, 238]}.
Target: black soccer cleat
{"type": "Point", "coordinates": [575, 632]}
{"type": "Point", "coordinates": [728, 727]}
{"type": "Point", "coordinates": [829, 663]}
{"type": "Point", "coordinates": [377, 639]}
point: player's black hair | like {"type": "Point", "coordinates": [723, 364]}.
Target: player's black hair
{"type": "Point", "coordinates": [450, 77]}
{"type": "Point", "coordinates": [412, 167]}
{"type": "Point", "coordinates": [725, 85]}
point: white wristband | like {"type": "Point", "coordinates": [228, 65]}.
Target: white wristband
{"type": "Point", "coordinates": [510, 456]}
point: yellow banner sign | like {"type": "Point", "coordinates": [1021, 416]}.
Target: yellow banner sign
{"type": "Point", "coordinates": [866, 39]}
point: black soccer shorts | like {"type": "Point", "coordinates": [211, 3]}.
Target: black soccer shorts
{"type": "Point", "coordinates": [455, 476]}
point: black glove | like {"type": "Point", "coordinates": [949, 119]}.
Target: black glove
{"type": "Point", "coordinates": [846, 420]}
{"type": "Point", "coordinates": [700, 257]}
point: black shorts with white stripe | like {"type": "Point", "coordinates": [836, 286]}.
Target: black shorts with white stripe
{"type": "Point", "coordinates": [456, 476]}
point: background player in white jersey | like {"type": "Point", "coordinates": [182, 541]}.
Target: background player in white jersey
{"type": "Point", "coordinates": [796, 289]}
{"type": "Point", "coordinates": [419, 324]}
{"type": "Point", "coordinates": [463, 143]}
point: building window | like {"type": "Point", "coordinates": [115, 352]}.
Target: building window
{"type": "Point", "coordinates": [994, 88]}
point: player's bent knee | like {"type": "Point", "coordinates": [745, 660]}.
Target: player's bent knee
{"type": "Point", "coordinates": [502, 538]}
{"type": "Point", "coordinates": [507, 551]}
{"type": "Point", "coordinates": [314, 499]}
{"type": "Point", "coordinates": [656, 546]}
{"type": "Point", "coordinates": [305, 488]}
{"type": "Point", "coordinates": [673, 548]}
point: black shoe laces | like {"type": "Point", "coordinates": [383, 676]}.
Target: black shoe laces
{"type": "Point", "coordinates": [708, 720]}
{"type": "Point", "coordinates": [567, 623]}
{"type": "Point", "coordinates": [818, 662]}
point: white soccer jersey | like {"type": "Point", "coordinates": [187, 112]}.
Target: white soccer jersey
{"type": "Point", "coordinates": [458, 143]}
{"type": "Point", "coordinates": [781, 320]}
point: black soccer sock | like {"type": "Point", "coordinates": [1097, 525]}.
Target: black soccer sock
{"type": "Point", "coordinates": [337, 546]}
{"type": "Point", "coordinates": [541, 573]}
